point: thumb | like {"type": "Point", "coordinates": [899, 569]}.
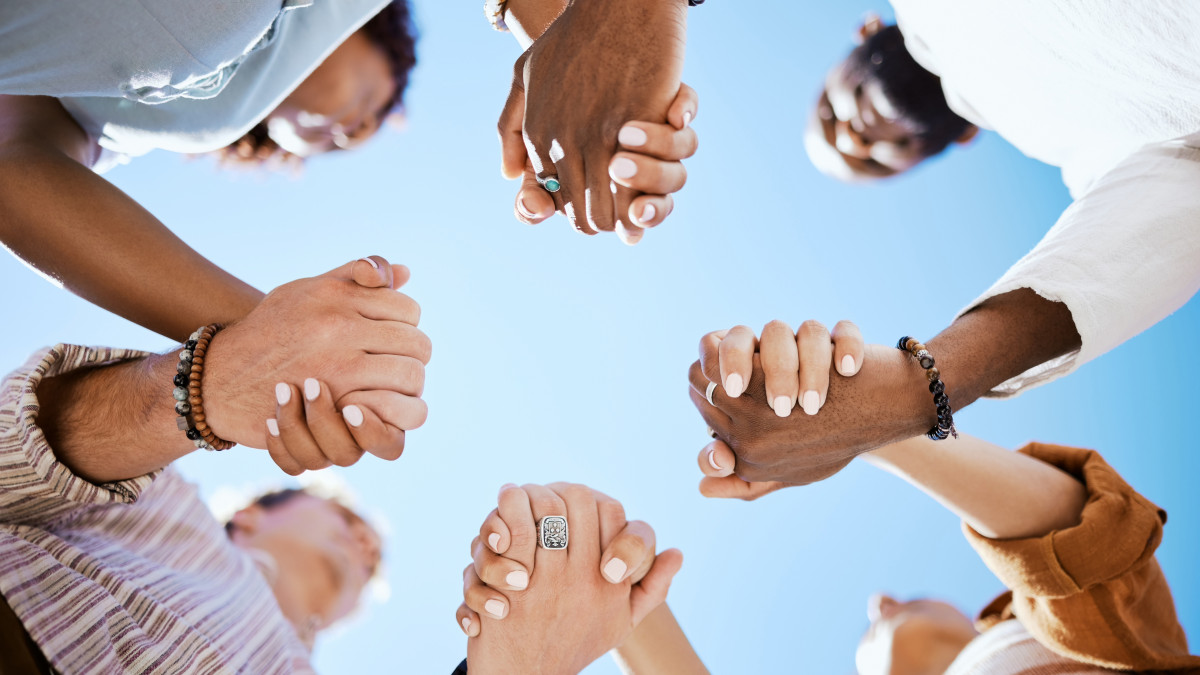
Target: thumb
{"type": "Point", "coordinates": [371, 272]}
{"type": "Point", "coordinates": [513, 155]}
{"type": "Point", "coordinates": [651, 591]}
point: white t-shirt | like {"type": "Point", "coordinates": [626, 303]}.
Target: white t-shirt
{"type": "Point", "coordinates": [1109, 91]}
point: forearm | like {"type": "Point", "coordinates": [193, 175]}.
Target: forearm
{"type": "Point", "coordinates": [1001, 494]}
{"type": "Point", "coordinates": [81, 231]}
{"type": "Point", "coordinates": [658, 646]}
{"type": "Point", "coordinates": [113, 422]}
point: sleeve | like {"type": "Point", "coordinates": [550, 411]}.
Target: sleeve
{"type": "Point", "coordinates": [1093, 592]}
{"type": "Point", "coordinates": [461, 669]}
{"type": "Point", "coordinates": [35, 488]}
{"type": "Point", "coordinates": [1123, 257]}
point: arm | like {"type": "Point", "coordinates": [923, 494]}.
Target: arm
{"type": "Point", "coordinates": [528, 19]}
{"type": "Point", "coordinates": [79, 230]}
{"type": "Point", "coordinates": [999, 493]}
{"type": "Point", "coordinates": [658, 646]}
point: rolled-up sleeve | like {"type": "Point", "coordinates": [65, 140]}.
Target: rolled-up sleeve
{"type": "Point", "coordinates": [35, 488]}
{"type": "Point", "coordinates": [1093, 592]}
{"type": "Point", "coordinates": [1123, 257]}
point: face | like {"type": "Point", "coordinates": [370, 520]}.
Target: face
{"type": "Point", "coordinates": [340, 105]}
{"type": "Point", "coordinates": [917, 637]}
{"type": "Point", "coordinates": [325, 554]}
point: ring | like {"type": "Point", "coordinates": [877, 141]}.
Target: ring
{"type": "Point", "coordinates": [712, 386]}
{"type": "Point", "coordinates": [552, 533]}
{"type": "Point", "coordinates": [549, 184]}
{"type": "Point", "coordinates": [711, 432]}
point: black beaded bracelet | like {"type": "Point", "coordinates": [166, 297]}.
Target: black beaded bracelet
{"type": "Point", "coordinates": [945, 417]}
{"type": "Point", "coordinates": [693, 3]}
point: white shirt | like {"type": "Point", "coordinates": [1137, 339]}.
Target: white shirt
{"type": "Point", "coordinates": [189, 77]}
{"type": "Point", "coordinates": [1109, 91]}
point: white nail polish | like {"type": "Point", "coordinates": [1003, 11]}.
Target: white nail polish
{"type": "Point", "coordinates": [782, 406]}
{"type": "Point", "coordinates": [632, 137]}
{"type": "Point", "coordinates": [623, 168]}
{"type": "Point", "coordinates": [494, 541]}
{"type": "Point", "coordinates": [812, 402]}
{"type": "Point", "coordinates": [712, 460]}
{"type": "Point", "coordinates": [517, 579]}
{"type": "Point", "coordinates": [312, 389]}
{"type": "Point", "coordinates": [273, 427]}
{"type": "Point", "coordinates": [372, 262]}
{"type": "Point", "coordinates": [687, 119]}
{"type": "Point", "coordinates": [648, 214]}
{"type": "Point", "coordinates": [614, 571]}
{"type": "Point", "coordinates": [734, 386]}
{"type": "Point", "coordinates": [283, 393]}
{"type": "Point", "coordinates": [847, 365]}
{"type": "Point", "coordinates": [466, 624]}
{"type": "Point", "coordinates": [495, 608]}
{"type": "Point", "coordinates": [524, 209]}
{"type": "Point", "coordinates": [353, 416]}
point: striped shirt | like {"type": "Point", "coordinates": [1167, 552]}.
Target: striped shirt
{"type": "Point", "coordinates": [1009, 649]}
{"type": "Point", "coordinates": [133, 576]}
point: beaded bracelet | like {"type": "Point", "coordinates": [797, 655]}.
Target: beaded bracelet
{"type": "Point", "coordinates": [189, 401]}
{"type": "Point", "coordinates": [945, 418]}
{"type": "Point", "coordinates": [693, 3]}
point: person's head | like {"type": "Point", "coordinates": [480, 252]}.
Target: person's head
{"type": "Point", "coordinates": [880, 113]}
{"type": "Point", "coordinates": [319, 554]}
{"type": "Point", "coordinates": [345, 100]}
{"type": "Point", "coordinates": [918, 637]}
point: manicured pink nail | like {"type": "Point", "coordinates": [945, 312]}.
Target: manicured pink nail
{"type": "Point", "coordinates": [353, 416]}
{"type": "Point", "coordinates": [312, 389]}
{"type": "Point", "coordinates": [648, 214]}
{"type": "Point", "coordinates": [734, 385]}
{"type": "Point", "coordinates": [812, 402]}
{"type": "Point", "coordinates": [283, 393]}
{"type": "Point", "coordinates": [614, 571]}
{"type": "Point", "coordinates": [712, 460]}
{"type": "Point", "coordinates": [623, 168]}
{"type": "Point", "coordinates": [847, 365]}
{"type": "Point", "coordinates": [466, 624]}
{"type": "Point", "coordinates": [518, 579]}
{"type": "Point", "coordinates": [782, 406]}
{"type": "Point", "coordinates": [494, 541]}
{"type": "Point", "coordinates": [632, 137]}
{"type": "Point", "coordinates": [495, 608]}
{"type": "Point", "coordinates": [273, 427]}
{"type": "Point", "coordinates": [687, 119]}
{"type": "Point", "coordinates": [524, 209]}
{"type": "Point", "coordinates": [372, 262]}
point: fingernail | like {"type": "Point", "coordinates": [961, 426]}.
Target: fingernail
{"type": "Point", "coordinates": [734, 385]}
{"type": "Point", "coordinates": [517, 579]}
{"type": "Point", "coordinates": [494, 541]}
{"type": "Point", "coordinates": [712, 460]}
{"type": "Point", "coordinates": [847, 365]}
{"type": "Point", "coordinates": [273, 427]}
{"type": "Point", "coordinates": [495, 608]}
{"type": "Point", "coordinates": [623, 167]}
{"type": "Point", "coordinates": [353, 416]}
{"type": "Point", "coordinates": [524, 209]}
{"type": "Point", "coordinates": [687, 119]}
{"type": "Point", "coordinates": [782, 406]}
{"type": "Point", "coordinates": [312, 389]}
{"type": "Point", "coordinates": [812, 402]}
{"type": "Point", "coordinates": [648, 214]}
{"type": "Point", "coordinates": [632, 137]}
{"type": "Point", "coordinates": [466, 624]}
{"type": "Point", "coordinates": [372, 262]}
{"type": "Point", "coordinates": [283, 393]}
{"type": "Point", "coordinates": [615, 570]}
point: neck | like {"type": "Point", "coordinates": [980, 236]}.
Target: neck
{"type": "Point", "coordinates": [287, 584]}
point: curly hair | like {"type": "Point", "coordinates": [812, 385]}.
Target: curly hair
{"type": "Point", "coordinates": [392, 31]}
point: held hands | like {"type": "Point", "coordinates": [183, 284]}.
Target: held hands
{"type": "Point", "coordinates": [598, 66]}
{"type": "Point", "coordinates": [866, 396]}
{"type": "Point", "coordinates": [587, 598]}
{"type": "Point", "coordinates": [345, 340]}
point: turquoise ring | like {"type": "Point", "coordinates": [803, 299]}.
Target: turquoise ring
{"type": "Point", "coordinates": [550, 184]}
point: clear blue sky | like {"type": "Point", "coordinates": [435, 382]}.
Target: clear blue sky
{"type": "Point", "coordinates": [563, 357]}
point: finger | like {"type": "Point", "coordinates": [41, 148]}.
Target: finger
{"type": "Point", "coordinates": [378, 305]}
{"type": "Point", "coordinates": [572, 196]}
{"type": "Point", "coordinates": [497, 571]}
{"type": "Point", "coordinates": [816, 350]}
{"type": "Point", "coordinates": [658, 141]}
{"type": "Point", "coordinates": [630, 555]}
{"type": "Point", "coordinates": [710, 361]}
{"type": "Point", "coordinates": [375, 369]}
{"type": "Point", "coordinates": [714, 415]}
{"type": "Point", "coordinates": [848, 348]}
{"type": "Point", "coordinates": [482, 599]}
{"type": "Point", "coordinates": [494, 532]}
{"type": "Point", "coordinates": [629, 234]}
{"type": "Point", "coordinates": [583, 521]}
{"type": "Point", "coordinates": [468, 620]}
{"type": "Point", "coordinates": [371, 433]}
{"type": "Point", "coordinates": [646, 174]}
{"type": "Point", "coordinates": [545, 502]}
{"type": "Point", "coordinates": [628, 229]}
{"type": "Point", "coordinates": [716, 459]}
{"type": "Point", "coordinates": [781, 365]}
{"type": "Point", "coordinates": [278, 450]}
{"type": "Point", "coordinates": [399, 410]}
{"type": "Point", "coordinates": [612, 517]}
{"type": "Point", "coordinates": [400, 276]}
{"type": "Point", "coordinates": [736, 356]}
{"type": "Point", "coordinates": [599, 197]}
{"type": "Point", "coordinates": [372, 272]}
{"type": "Point", "coordinates": [684, 108]}
{"type": "Point", "coordinates": [732, 487]}
{"type": "Point", "coordinates": [327, 426]}
{"type": "Point", "coordinates": [517, 513]}
{"type": "Point", "coordinates": [534, 205]}
{"type": "Point", "coordinates": [512, 139]}
{"type": "Point", "coordinates": [293, 429]}
{"type": "Point", "coordinates": [652, 590]}
{"type": "Point", "coordinates": [648, 211]}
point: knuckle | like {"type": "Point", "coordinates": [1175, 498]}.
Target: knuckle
{"type": "Point", "coordinates": [777, 325]}
{"type": "Point", "coordinates": [612, 510]}
{"type": "Point", "coordinates": [844, 325]}
{"type": "Point", "coordinates": [577, 493]}
{"type": "Point", "coordinates": [813, 329]}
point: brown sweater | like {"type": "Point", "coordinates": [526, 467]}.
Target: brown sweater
{"type": "Point", "coordinates": [1093, 593]}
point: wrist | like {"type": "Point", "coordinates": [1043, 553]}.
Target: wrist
{"type": "Point", "coordinates": [224, 380]}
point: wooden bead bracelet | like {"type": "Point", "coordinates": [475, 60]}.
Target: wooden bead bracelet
{"type": "Point", "coordinates": [189, 398]}
{"type": "Point", "coordinates": [945, 418]}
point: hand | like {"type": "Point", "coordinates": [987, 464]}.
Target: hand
{"type": "Point", "coordinates": [886, 400]}
{"type": "Point", "coordinates": [627, 555]}
{"type": "Point", "coordinates": [360, 342]}
{"type": "Point", "coordinates": [567, 599]}
{"type": "Point", "coordinates": [655, 150]}
{"type": "Point", "coordinates": [599, 65]}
